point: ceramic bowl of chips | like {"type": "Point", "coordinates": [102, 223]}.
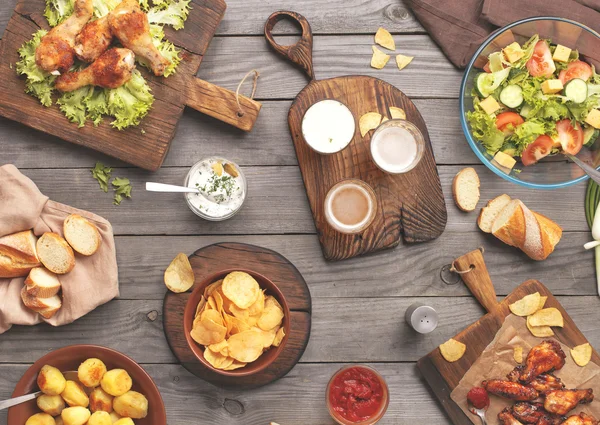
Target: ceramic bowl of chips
{"type": "Point", "coordinates": [236, 322]}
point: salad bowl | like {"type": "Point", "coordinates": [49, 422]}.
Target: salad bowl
{"type": "Point", "coordinates": [554, 171]}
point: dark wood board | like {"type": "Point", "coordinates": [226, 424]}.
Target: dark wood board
{"type": "Point", "coordinates": [214, 258]}
{"type": "Point", "coordinates": [411, 204]}
{"type": "Point", "coordinates": [443, 376]}
{"type": "Point", "coordinates": [148, 148]}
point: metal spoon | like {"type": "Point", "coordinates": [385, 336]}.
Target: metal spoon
{"type": "Point", "coordinates": [589, 170]}
{"type": "Point", "coordinates": [69, 376]}
{"type": "Point", "coordinates": [480, 413]}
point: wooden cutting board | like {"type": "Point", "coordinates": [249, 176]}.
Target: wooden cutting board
{"type": "Point", "coordinates": [223, 256]}
{"type": "Point", "coordinates": [443, 376]}
{"type": "Point", "coordinates": [410, 204]}
{"type": "Point", "coordinates": [147, 144]}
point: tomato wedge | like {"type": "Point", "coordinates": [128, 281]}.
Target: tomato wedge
{"type": "Point", "coordinates": [486, 67]}
{"type": "Point", "coordinates": [571, 138]}
{"type": "Point", "coordinates": [508, 121]}
{"type": "Point", "coordinates": [541, 147]}
{"type": "Point", "coordinates": [541, 63]}
{"type": "Point", "coordinates": [576, 69]}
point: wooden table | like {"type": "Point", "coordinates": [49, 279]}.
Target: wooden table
{"type": "Point", "coordinates": [358, 305]}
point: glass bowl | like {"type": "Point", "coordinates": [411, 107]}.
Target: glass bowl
{"type": "Point", "coordinates": [554, 172]}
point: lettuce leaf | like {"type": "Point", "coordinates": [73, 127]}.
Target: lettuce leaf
{"type": "Point", "coordinates": [483, 127]}
{"type": "Point", "coordinates": [165, 47]}
{"type": "Point", "coordinates": [527, 132]}
{"type": "Point", "coordinates": [72, 104]}
{"type": "Point", "coordinates": [528, 48]}
{"type": "Point", "coordinates": [39, 84]}
{"type": "Point", "coordinates": [103, 7]}
{"type": "Point", "coordinates": [58, 10]}
{"type": "Point", "coordinates": [170, 12]}
{"type": "Point", "coordinates": [580, 111]}
{"type": "Point", "coordinates": [130, 102]}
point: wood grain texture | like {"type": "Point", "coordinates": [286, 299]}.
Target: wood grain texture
{"type": "Point", "coordinates": [213, 259]}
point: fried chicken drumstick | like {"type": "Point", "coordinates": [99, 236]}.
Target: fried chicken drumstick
{"type": "Point", "coordinates": [581, 419]}
{"type": "Point", "coordinates": [562, 402]}
{"type": "Point", "coordinates": [93, 40]}
{"type": "Point", "coordinates": [545, 357]}
{"type": "Point", "coordinates": [510, 390]}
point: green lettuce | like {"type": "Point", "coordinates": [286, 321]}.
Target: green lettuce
{"type": "Point", "coordinates": [529, 131]}
{"type": "Point", "coordinates": [130, 102]}
{"type": "Point", "coordinates": [170, 12]}
{"type": "Point", "coordinates": [72, 104]}
{"type": "Point", "coordinates": [57, 11]}
{"type": "Point", "coordinates": [39, 84]}
{"type": "Point", "coordinates": [528, 49]}
{"type": "Point", "coordinates": [103, 7]}
{"type": "Point", "coordinates": [165, 47]}
{"type": "Point", "coordinates": [483, 127]}
{"type": "Point", "coordinates": [580, 111]}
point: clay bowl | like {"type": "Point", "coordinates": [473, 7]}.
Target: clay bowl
{"type": "Point", "coordinates": [69, 358]}
{"type": "Point", "coordinates": [269, 356]}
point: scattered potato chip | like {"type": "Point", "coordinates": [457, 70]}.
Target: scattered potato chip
{"type": "Point", "coordinates": [231, 170]}
{"type": "Point", "coordinates": [379, 59]}
{"type": "Point", "coordinates": [241, 288]}
{"type": "Point", "coordinates": [179, 276]}
{"type": "Point", "coordinates": [518, 354]}
{"type": "Point", "coordinates": [397, 113]}
{"type": "Point", "coordinates": [402, 61]}
{"type": "Point", "coordinates": [547, 317]}
{"type": "Point", "coordinates": [526, 306]}
{"type": "Point", "coordinates": [582, 354]}
{"type": "Point", "coordinates": [279, 337]}
{"type": "Point", "coordinates": [542, 302]}
{"type": "Point", "coordinates": [368, 122]}
{"type": "Point", "coordinates": [245, 346]}
{"type": "Point", "coordinates": [385, 39]}
{"type": "Point", "coordinates": [384, 119]}
{"type": "Point", "coordinates": [215, 359]}
{"type": "Point", "coordinates": [539, 331]}
{"type": "Point", "coordinates": [453, 350]}
{"type": "Point", "coordinates": [208, 332]}
{"type": "Point", "coordinates": [218, 168]}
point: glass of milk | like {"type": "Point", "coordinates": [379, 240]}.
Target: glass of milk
{"type": "Point", "coordinates": [397, 146]}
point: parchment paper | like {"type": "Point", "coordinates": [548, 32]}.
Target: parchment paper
{"type": "Point", "coordinates": [497, 361]}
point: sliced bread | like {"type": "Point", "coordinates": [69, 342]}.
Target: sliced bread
{"type": "Point", "coordinates": [42, 283]}
{"type": "Point", "coordinates": [509, 225]}
{"type": "Point", "coordinates": [536, 241]}
{"type": "Point", "coordinates": [489, 213]}
{"type": "Point", "coordinates": [46, 307]}
{"type": "Point", "coordinates": [465, 189]}
{"type": "Point", "coordinates": [82, 235]}
{"type": "Point", "coordinates": [18, 254]}
{"type": "Point", "coordinates": [553, 230]}
{"type": "Point", "coordinates": [55, 253]}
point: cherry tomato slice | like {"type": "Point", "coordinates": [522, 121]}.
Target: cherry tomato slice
{"type": "Point", "coordinates": [508, 121]}
{"type": "Point", "coordinates": [571, 138]}
{"type": "Point", "coordinates": [541, 147]}
{"type": "Point", "coordinates": [576, 69]}
{"type": "Point", "coordinates": [541, 63]}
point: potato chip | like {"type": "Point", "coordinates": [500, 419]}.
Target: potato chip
{"type": "Point", "coordinates": [237, 325]}
{"type": "Point", "coordinates": [397, 113]}
{"type": "Point", "coordinates": [385, 39]}
{"type": "Point", "coordinates": [179, 276]}
{"type": "Point", "coordinates": [368, 122]}
{"type": "Point", "coordinates": [245, 346]}
{"type": "Point", "coordinates": [212, 303]}
{"type": "Point", "coordinates": [213, 315]}
{"type": "Point", "coordinates": [226, 363]}
{"type": "Point", "coordinates": [226, 301]}
{"type": "Point", "coordinates": [518, 354]}
{"type": "Point", "coordinates": [384, 119]}
{"type": "Point", "coordinates": [218, 301]}
{"type": "Point", "coordinates": [272, 315]}
{"type": "Point", "coordinates": [453, 350]}
{"type": "Point", "coordinates": [240, 313]}
{"type": "Point", "coordinates": [241, 288]}
{"type": "Point", "coordinates": [526, 306]}
{"type": "Point", "coordinates": [379, 59]}
{"type": "Point", "coordinates": [547, 317]}
{"type": "Point", "coordinates": [582, 354]}
{"type": "Point", "coordinates": [200, 305]}
{"type": "Point", "coordinates": [225, 351]}
{"type": "Point", "coordinates": [258, 307]}
{"type": "Point", "coordinates": [542, 302]}
{"type": "Point", "coordinates": [208, 332]}
{"type": "Point", "coordinates": [212, 287]}
{"type": "Point", "coordinates": [279, 337]}
{"type": "Point", "coordinates": [215, 359]}
{"type": "Point", "coordinates": [267, 336]}
{"type": "Point", "coordinates": [217, 348]}
{"type": "Point", "coordinates": [402, 61]}
{"type": "Point", "coordinates": [235, 365]}
{"type": "Point", "coordinates": [539, 331]}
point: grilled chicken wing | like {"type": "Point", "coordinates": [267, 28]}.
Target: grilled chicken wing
{"type": "Point", "coordinates": [534, 413]}
{"type": "Point", "coordinates": [93, 40]}
{"type": "Point", "coordinates": [55, 52]}
{"type": "Point", "coordinates": [510, 390]}
{"type": "Point", "coordinates": [581, 419]}
{"type": "Point", "coordinates": [546, 382]}
{"type": "Point", "coordinates": [562, 402]}
{"type": "Point", "coordinates": [542, 358]}
{"type": "Point", "coordinates": [111, 70]}
{"type": "Point", "coordinates": [130, 25]}
{"type": "Point", "coordinates": [515, 374]}
{"type": "Point", "coordinates": [506, 418]}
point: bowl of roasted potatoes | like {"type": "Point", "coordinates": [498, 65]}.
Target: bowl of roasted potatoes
{"type": "Point", "coordinates": [87, 385]}
{"type": "Point", "coordinates": [236, 322]}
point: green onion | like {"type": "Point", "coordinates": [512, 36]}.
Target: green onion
{"type": "Point", "coordinates": [592, 198]}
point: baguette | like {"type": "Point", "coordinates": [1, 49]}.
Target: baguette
{"type": "Point", "coordinates": [489, 213]}
{"type": "Point", "coordinates": [509, 225]}
{"type": "Point", "coordinates": [18, 254]}
{"type": "Point", "coordinates": [42, 283]}
{"type": "Point", "coordinates": [82, 235]}
{"type": "Point", "coordinates": [46, 307]}
{"type": "Point", "coordinates": [465, 189]}
{"type": "Point", "coordinates": [55, 253]}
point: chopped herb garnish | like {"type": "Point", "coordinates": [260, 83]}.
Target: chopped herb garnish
{"type": "Point", "coordinates": [102, 174]}
{"type": "Point", "coordinates": [122, 189]}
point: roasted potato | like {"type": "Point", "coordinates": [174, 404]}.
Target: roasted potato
{"type": "Point", "coordinates": [131, 405]}
{"type": "Point", "coordinates": [114, 416]}
{"type": "Point", "coordinates": [75, 395]}
{"type": "Point", "coordinates": [116, 382]}
{"type": "Point", "coordinates": [51, 404]}
{"type": "Point", "coordinates": [59, 421]}
{"type": "Point", "coordinates": [124, 421]}
{"type": "Point", "coordinates": [90, 372]}
{"type": "Point", "coordinates": [40, 419]}
{"type": "Point", "coordinates": [101, 401]}
{"type": "Point", "coordinates": [100, 418]}
{"type": "Point", "coordinates": [51, 381]}
{"type": "Point", "coordinates": [75, 415]}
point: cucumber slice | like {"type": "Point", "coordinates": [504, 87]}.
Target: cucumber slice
{"type": "Point", "coordinates": [576, 90]}
{"type": "Point", "coordinates": [526, 111]}
{"type": "Point", "coordinates": [512, 96]}
{"type": "Point", "coordinates": [590, 135]}
{"type": "Point", "coordinates": [593, 89]}
{"type": "Point", "coordinates": [486, 83]}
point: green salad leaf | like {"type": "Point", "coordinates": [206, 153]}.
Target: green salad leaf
{"type": "Point", "coordinates": [165, 47]}
{"type": "Point", "coordinates": [102, 174]}
{"type": "Point", "coordinates": [130, 102]}
{"type": "Point", "coordinates": [103, 7]}
{"type": "Point", "coordinates": [170, 12]}
{"type": "Point", "coordinates": [57, 11]}
{"type": "Point", "coordinates": [484, 129]}
{"type": "Point", "coordinates": [40, 84]}
{"type": "Point", "coordinates": [528, 49]}
{"type": "Point", "coordinates": [73, 104]}
{"type": "Point", "coordinates": [122, 187]}
{"type": "Point", "coordinates": [529, 131]}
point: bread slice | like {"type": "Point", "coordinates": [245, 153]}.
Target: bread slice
{"type": "Point", "coordinates": [18, 254]}
{"type": "Point", "coordinates": [47, 307]}
{"type": "Point", "coordinates": [489, 213]}
{"type": "Point", "coordinates": [82, 235]}
{"type": "Point", "coordinates": [55, 253]}
{"type": "Point", "coordinates": [465, 189]}
{"type": "Point", "coordinates": [536, 242]}
{"type": "Point", "coordinates": [42, 283]}
{"type": "Point", "coordinates": [553, 230]}
{"type": "Point", "coordinates": [509, 225]}
{"type": "Point", "coordinates": [10, 268]}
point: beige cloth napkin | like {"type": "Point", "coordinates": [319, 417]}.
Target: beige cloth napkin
{"type": "Point", "coordinates": [94, 280]}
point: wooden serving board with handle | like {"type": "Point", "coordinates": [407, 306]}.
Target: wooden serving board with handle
{"type": "Point", "coordinates": [410, 204]}
{"type": "Point", "coordinates": [145, 145]}
{"type": "Point", "coordinates": [443, 376]}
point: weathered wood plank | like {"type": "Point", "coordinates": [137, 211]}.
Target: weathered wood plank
{"type": "Point", "coordinates": [301, 392]}
{"type": "Point", "coordinates": [343, 329]}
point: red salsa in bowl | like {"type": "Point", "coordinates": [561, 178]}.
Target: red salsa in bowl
{"type": "Point", "coordinates": [357, 395]}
